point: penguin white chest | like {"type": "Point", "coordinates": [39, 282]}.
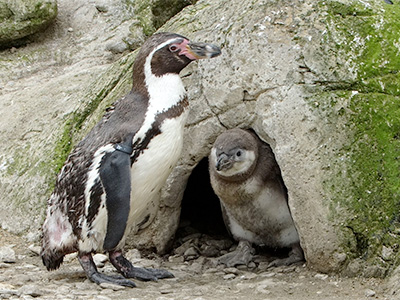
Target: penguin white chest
{"type": "Point", "coordinates": [150, 171]}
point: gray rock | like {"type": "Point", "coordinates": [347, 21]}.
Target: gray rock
{"type": "Point", "coordinates": [191, 253]}
{"type": "Point", "coordinates": [21, 18]}
{"type": "Point", "coordinates": [370, 293]}
{"type": "Point", "coordinates": [100, 259]}
{"type": "Point", "coordinates": [110, 286]}
{"type": "Point", "coordinates": [35, 249]}
{"type": "Point", "coordinates": [7, 254]}
{"type": "Point", "coordinates": [31, 290]}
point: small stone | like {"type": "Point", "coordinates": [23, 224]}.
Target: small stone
{"type": "Point", "coordinates": [387, 253]}
{"type": "Point", "coordinates": [102, 297]}
{"type": "Point", "coordinates": [70, 257]}
{"type": "Point", "coordinates": [31, 290]}
{"type": "Point", "coordinates": [176, 259]}
{"type": "Point", "coordinates": [263, 266]}
{"type": "Point", "coordinates": [7, 254]}
{"type": "Point", "coordinates": [133, 254]}
{"type": "Point", "coordinates": [70, 29]}
{"type": "Point", "coordinates": [35, 249]}
{"type": "Point", "coordinates": [248, 276]}
{"type": "Point", "coordinates": [111, 286]}
{"type": "Point", "coordinates": [231, 271]}
{"type": "Point", "coordinates": [7, 290]}
{"type": "Point", "coordinates": [321, 276]}
{"type": "Point", "coordinates": [191, 253]}
{"type": "Point", "coordinates": [369, 293]}
{"type": "Point", "coordinates": [166, 289]}
{"type": "Point", "coordinates": [229, 276]}
{"type": "Point", "coordinates": [209, 251]}
{"type": "Point", "coordinates": [100, 260]}
{"type": "Point", "coordinates": [117, 47]}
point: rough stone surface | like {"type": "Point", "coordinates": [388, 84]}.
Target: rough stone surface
{"type": "Point", "coordinates": [21, 18]}
{"type": "Point", "coordinates": [27, 279]}
{"type": "Point", "coordinates": [316, 80]}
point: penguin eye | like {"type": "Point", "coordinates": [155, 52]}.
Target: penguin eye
{"type": "Point", "coordinates": [173, 48]}
{"type": "Point", "coordinates": [239, 153]}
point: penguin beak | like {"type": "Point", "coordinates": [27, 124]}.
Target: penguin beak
{"type": "Point", "coordinates": [223, 162]}
{"type": "Point", "coordinates": [196, 51]}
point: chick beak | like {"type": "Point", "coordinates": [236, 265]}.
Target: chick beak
{"type": "Point", "coordinates": [223, 162]}
{"type": "Point", "coordinates": [196, 51]}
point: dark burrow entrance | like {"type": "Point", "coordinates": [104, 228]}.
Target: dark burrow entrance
{"type": "Point", "coordinates": [201, 230]}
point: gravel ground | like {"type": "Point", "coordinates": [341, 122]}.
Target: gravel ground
{"type": "Point", "coordinates": [22, 276]}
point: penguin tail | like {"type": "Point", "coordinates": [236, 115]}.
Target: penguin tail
{"type": "Point", "coordinates": [52, 260]}
{"type": "Point", "coordinates": [58, 239]}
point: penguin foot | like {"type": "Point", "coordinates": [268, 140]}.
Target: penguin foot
{"type": "Point", "coordinates": [86, 261]}
{"type": "Point", "coordinates": [126, 268]}
{"type": "Point", "coordinates": [241, 256]}
{"type": "Point", "coordinates": [295, 255]}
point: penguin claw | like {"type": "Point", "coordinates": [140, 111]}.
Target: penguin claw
{"type": "Point", "coordinates": [126, 268]}
{"type": "Point", "coordinates": [100, 278]}
{"type": "Point", "coordinates": [241, 256]}
{"type": "Point", "coordinates": [145, 274]}
{"type": "Point", "coordinates": [86, 261]}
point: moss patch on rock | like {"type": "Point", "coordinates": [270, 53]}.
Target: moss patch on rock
{"type": "Point", "coordinates": [19, 19]}
{"type": "Point", "coordinates": [366, 169]}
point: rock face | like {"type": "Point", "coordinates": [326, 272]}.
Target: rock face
{"type": "Point", "coordinates": [318, 81]}
{"type": "Point", "coordinates": [21, 18]}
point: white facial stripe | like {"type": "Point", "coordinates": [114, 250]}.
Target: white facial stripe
{"type": "Point", "coordinates": [164, 91]}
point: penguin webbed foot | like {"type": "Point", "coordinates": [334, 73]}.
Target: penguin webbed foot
{"type": "Point", "coordinates": [88, 265]}
{"type": "Point", "coordinates": [295, 255]}
{"type": "Point", "coordinates": [125, 267]}
{"type": "Point", "coordinates": [242, 255]}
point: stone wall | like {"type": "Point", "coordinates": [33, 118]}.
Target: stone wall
{"type": "Point", "coordinates": [316, 80]}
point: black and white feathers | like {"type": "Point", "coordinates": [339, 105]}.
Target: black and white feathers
{"type": "Point", "coordinates": [111, 181]}
{"type": "Point", "coordinates": [246, 178]}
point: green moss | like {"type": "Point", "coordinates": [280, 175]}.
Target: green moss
{"type": "Point", "coordinates": [101, 91]}
{"type": "Point", "coordinates": [365, 181]}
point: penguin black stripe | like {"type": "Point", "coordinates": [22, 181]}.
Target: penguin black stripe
{"type": "Point", "coordinates": [103, 191]}
{"type": "Point", "coordinates": [154, 130]}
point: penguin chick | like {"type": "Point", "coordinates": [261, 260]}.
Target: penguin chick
{"type": "Point", "coordinates": [110, 184]}
{"type": "Point", "coordinates": [246, 177]}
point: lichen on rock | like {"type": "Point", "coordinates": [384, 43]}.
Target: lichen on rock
{"type": "Point", "coordinates": [21, 18]}
{"type": "Point", "coordinates": [365, 179]}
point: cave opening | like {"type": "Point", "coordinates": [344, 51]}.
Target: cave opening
{"type": "Point", "coordinates": [200, 207]}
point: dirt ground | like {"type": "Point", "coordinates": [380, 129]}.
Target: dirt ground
{"type": "Point", "coordinates": [198, 279]}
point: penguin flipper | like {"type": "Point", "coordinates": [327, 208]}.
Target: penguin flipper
{"type": "Point", "coordinates": [115, 176]}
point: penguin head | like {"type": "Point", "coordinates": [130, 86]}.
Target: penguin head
{"type": "Point", "coordinates": [168, 53]}
{"type": "Point", "coordinates": [234, 154]}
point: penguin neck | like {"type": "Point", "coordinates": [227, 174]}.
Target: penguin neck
{"type": "Point", "coordinates": [164, 91]}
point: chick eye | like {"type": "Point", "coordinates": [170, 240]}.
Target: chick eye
{"type": "Point", "coordinates": [173, 48]}
{"type": "Point", "coordinates": [239, 153]}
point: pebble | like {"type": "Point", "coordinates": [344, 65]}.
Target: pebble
{"type": "Point", "coordinates": [231, 271]}
{"type": "Point", "coordinates": [7, 254]}
{"type": "Point", "coordinates": [166, 289]}
{"type": "Point", "coordinates": [370, 293]}
{"type": "Point", "coordinates": [100, 260]}
{"type": "Point", "coordinates": [31, 290]}
{"type": "Point", "coordinates": [321, 276]}
{"type": "Point", "coordinates": [191, 253]}
{"type": "Point", "coordinates": [229, 276]}
{"type": "Point", "coordinates": [35, 249]}
{"type": "Point", "coordinates": [111, 286]}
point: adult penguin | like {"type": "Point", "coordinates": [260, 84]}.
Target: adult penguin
{"type": "Point", "coordinates": [109, 186]}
